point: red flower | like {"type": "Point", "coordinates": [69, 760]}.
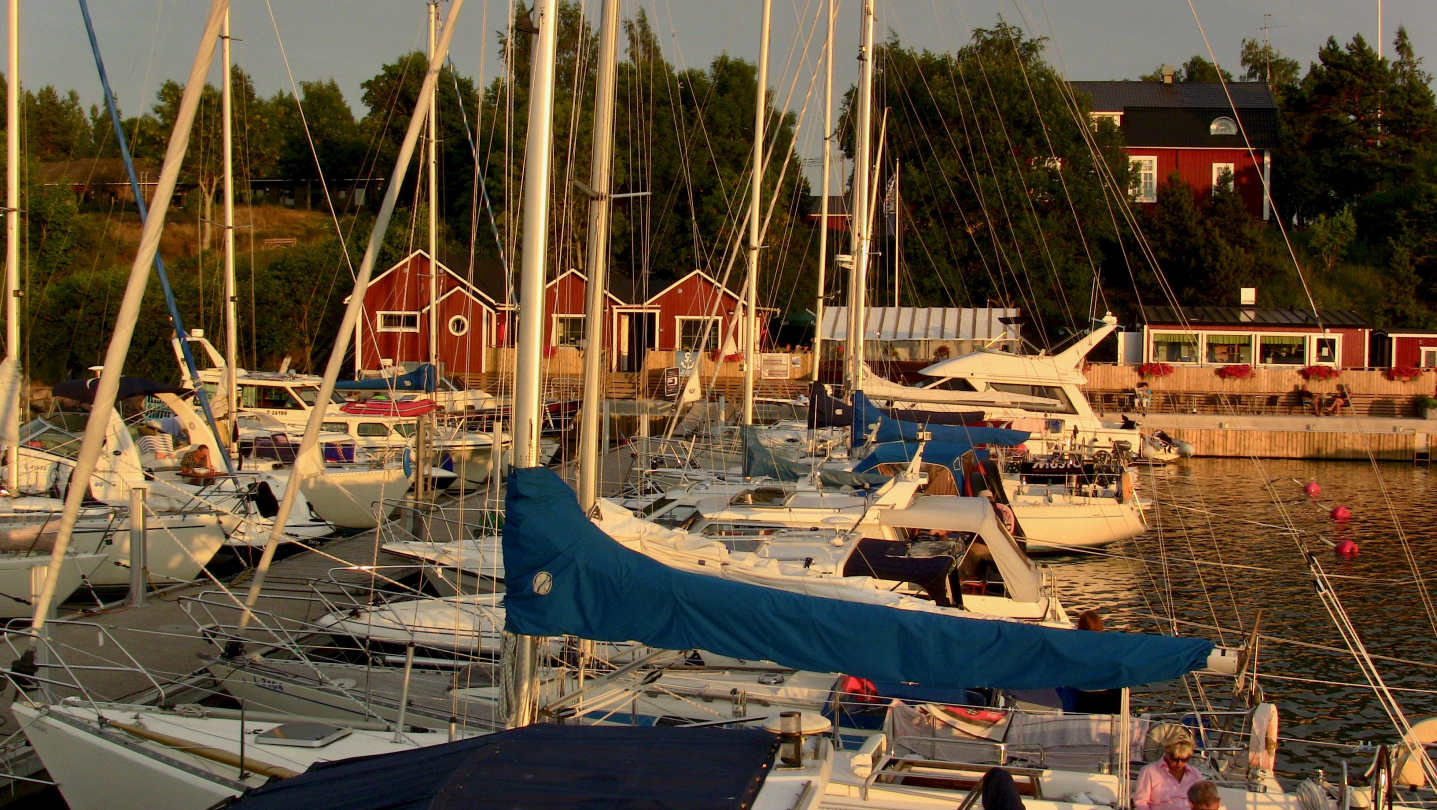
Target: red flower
{"type": "Point", "coordinates": [1155, 370]}
{"type": "Point", "coordinates": [1319, 373]}
{"type": "Point", "coordinates": [1239, 372]}
{"type": "Point", "coordinates": [1404, 373]}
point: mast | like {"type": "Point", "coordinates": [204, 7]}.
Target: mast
{"type": "Point", "coordinates": [12, 240]}
{"type": "Point", "coordinates": [127, 315]}
{"type": "Point", "coordinates": [858, 273]}
{"type": "Point", "coordinates": [600, 183]}
{"type": "Point", "coordinates": [432, 134]}
{"type": "Point", "coordinates": [760, 111]}
{"type": "Point", "coordinates": [528, 355]}
{"type": "Point", "coordinates": [823, 200]}
{"type": "Point", "coordinates": [231, 299]}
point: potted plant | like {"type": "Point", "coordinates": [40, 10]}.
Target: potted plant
{"type": "Point", "coordinates": [1403, 373]}
{"type": "Point", "coordinates": [1426, 406]}
{"type": "Point", "coordinates": [1319, 373]}
{"type": "Point", "coordinates": [1238, 372]}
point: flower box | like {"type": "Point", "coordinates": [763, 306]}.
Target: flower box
{"type": "Point", "coordinates": [1319, 373]}
{"type": "Point", "coordinates": [1155, 370]}
{"type": "Point", "coordinates": [1403, 373]}
{"type": "Point", "coordinates": [1239, 372]}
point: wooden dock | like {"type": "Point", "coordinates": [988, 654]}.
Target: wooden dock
{"type": "Point", "coordinates": [1299, 437]}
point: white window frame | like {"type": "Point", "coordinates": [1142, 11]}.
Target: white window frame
{"type": "Point", "coordinates": [1312, 359]}
{"type": "Point", "coordinates": [1427, 356]}
{"type": "Point", "coordinates": [1146, 169]}
{"type": "Point", "coordinates": [1199, 346]}
{"type": "Point", "coordinates": [463, 328]}
{"type": "Point", "coordinates": [380, 318]}
{"type": "Point", "coordinates": [1307, 349]}
{"type": "Point", "coordinates": [554, 332]}
{"type": "Point", "coordinates": [1251, 347]}
{"type": "Point", "coordinates": [1218, 169]}
{"type": "Point", "coordinates": [715, 336]}
{"type": "Point", "coordinates": [1212, 128]}
{"type": "Point", "coordinates": [1115, 117]}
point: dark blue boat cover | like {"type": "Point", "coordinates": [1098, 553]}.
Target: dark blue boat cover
{"type": "Point", "coordinates": [566, 577]}
{"type": "Point", "coordinates": [948, 454]}
{"type": "Point", "coordinates": [542, 766]}
{"type": "Point", "coordinates": [422, 378]}
{"type": "Point", "coordinates": [894, 430]}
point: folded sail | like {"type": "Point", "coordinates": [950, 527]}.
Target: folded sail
{"type": "Point", "coordinates": [893, 426]}
{"type": "Point", "coordinates": [566, 577]}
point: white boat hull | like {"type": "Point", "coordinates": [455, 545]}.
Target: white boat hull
{"type": "Point", "coordinates": [357, 500]}
{"type": "Point", "coordinates": [1087, 523]}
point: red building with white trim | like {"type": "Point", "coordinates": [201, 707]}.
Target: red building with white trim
{"type": "Point", "coordinates": [1198, 129]}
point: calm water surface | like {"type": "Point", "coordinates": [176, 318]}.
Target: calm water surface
{"type": "Point", "coordinates": [1218, 510]}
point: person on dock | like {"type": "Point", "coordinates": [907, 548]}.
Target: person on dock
{"type": "Point", "coordinates": [1164, 785]}
{"type": "Point", "coordinates": [1340, 400]}
{"type": "Point", "coordinates": [1143, 396]}
{"type": "Point", "coordinates": [1307, 400]}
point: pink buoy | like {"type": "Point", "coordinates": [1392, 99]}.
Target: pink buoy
{"type": "Point", "coordinates": [1313, 489]}
{"type": "Point", "coordinates": [1340, 513]}
{"type": "Point", "coordinates": [1346, 549]}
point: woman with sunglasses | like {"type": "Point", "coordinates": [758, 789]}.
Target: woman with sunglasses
{"type": "Point", "coordinates": [1163, 785]}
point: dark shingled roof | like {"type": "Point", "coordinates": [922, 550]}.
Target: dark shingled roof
{"type": "Point", "coordinates": [1119, 96]}
{"type": "Point", "coordinates": [1252, 316]}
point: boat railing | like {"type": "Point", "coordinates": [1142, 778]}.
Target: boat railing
{"type": "Point", "coordinates": [216, 616]}
{"type": "Point", "coordinates": [50, 660]}
{"type": "Point", "coordinates": [416, 522]}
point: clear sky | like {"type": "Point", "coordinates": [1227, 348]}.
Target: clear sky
{"type": "Point", "coordinates": [148, 41]}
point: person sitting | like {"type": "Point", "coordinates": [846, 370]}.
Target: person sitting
{"type": "Point", "coordinates": [1338, 401]}
{"type": "Point", "coordinates": [1163, 785]}
{"type": "Point", "coordinates": [1143, 397]}
{"type": "Point", "coordinates": [999, 791]}
{"type": "Point", "coordinates": [1204, 796]}
{"type": "Point", "coordinates": [1306, 399]}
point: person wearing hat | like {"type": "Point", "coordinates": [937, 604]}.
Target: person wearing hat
{"type": "Point", "coordinates": [1164, 785]}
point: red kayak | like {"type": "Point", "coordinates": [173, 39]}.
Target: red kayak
{"type": "Point", "coordinates": [387, 407]}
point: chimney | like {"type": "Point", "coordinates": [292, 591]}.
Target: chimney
{"type": "Point", "coordinates": [1248, 296]}
{"type": "Point", "coordinates": [1168, 71]}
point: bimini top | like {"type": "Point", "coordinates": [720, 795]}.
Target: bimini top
{"type": "Point", "coordinates": [926, 323]}
{"type": "Point", "coordinates": [951, 513]}
{"type": "Point", "coordinates": [542, 766]}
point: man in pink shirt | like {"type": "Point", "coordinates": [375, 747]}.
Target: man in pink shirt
{"type": "Point", "coordinates": [1163, 785]}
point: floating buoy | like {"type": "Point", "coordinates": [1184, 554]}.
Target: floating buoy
{"type": "Point", "coordinates": [1313, 489]}
{"type": "Point", "coordinates": [1341, 513]}
{"type": "Point", "coordinates": [1346, 549]}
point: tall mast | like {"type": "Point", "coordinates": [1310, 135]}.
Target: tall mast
{"type": "Point", "coordinates": [231, 302]}
{"type": "Point", "coordinates": [529, 352]}
{"type": "Point", "coordinates": [760, 111]}
{"type": "Point", "coordinates": [858, 273]}
{"type": "Point", "coordinates": [600, 182]}
{"type": "Point", "coordinates": [823, 200]}
{"type": "Point", "coordinates": [12, 237]}
{"type": "Point", "coordinates": [432, 132]}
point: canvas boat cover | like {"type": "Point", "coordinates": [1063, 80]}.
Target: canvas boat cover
{"type": "Point", "coordinates": [542, 766]}
{"type": "Point", "coordinates": [890, 429]}
{"type": "Point", "coordinates": [422, 378]}
{"type": "Point", "coordinates": [389, 407]}
{"type": "Point", "coordinates": [763, 461]}
{"type": "Point", "coordinates": [825, 410]}
{"type": "Point", "coordinates": [566, 577]}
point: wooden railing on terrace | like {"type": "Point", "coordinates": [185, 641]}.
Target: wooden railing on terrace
{"type": "Point", "coordinates": [1269, 391]}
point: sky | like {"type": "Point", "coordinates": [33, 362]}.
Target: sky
{"type": "Point", "coordinates": [146, 42]}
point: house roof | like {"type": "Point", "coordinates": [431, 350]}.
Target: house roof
{"type": "Point", "coordinates": [91, 171]}
{"type": "Point", "coordinates": [701, 274]}
{"type": "Point", "coordinates": [1252, 316]}
{"type": "Point", "coordinates": [1119, 96]}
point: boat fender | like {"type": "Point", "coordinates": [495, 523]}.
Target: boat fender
{"type": "Point", "coordinates": [1262, 742]}
{"type": "Point", "coordinates": [1313, 489]}
{"type": "Point", "coordinates": [408, 464]}
{"type": "Point", "coordinates": [1185, 449]}
{"type": "Point", "coordinates": [1346, 549]}
{"type": "Point", "coordinates": [1409, 758]}
{"type": "Point", "coordinates": [1341, 513]}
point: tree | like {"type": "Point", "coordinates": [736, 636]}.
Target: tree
{"type": "Point", "coordinates": [1263, 63]}
{"type": "Point", "coordinates": [1196, 69]}
{"type": "Point", "coordinates": [57, 127]}
{"type": "Point", "coordinates": [1206, 245]}
{"type": "Point", "coordinates": [1331, 236]}
{"type": "Point", "coordinates": [327, 132]}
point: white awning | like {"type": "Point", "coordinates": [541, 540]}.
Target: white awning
{"type": "Point", "coordinates": [925, 323]}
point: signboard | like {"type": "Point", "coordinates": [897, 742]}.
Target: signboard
{"type": "Point", "coordinates": [687, 360]}
{"type": "Point", "coordinates": [673, 383]}
{"type": "Point", "coordinates": [774, 367]}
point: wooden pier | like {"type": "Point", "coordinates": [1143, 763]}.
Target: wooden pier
{"type": "Point", "coordinates": [1299, 437]}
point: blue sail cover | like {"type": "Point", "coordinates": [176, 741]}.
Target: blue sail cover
{"type": "Point", "coordinates": [894, 430]}
{"type": "Point", "coordinates": [762, 461]}
{"type": "Point", "coordinates": [566, 577]}
{"type": "Point", "coordinates": [422, 378]}
{"type": "Point", "coordinates": [948, 454]}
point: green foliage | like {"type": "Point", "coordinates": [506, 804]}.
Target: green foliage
{"type": "Point", "coordinates": [1196, 69]}
{"type": "Point", "coordinates": [1330, 236]}
{"type": "Point", "coordinates": [1263, 63]}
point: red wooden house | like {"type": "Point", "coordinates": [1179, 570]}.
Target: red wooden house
{"type": "Point", "coordinates": [394, 325]}
{"type": "Point", "coordinates": [1249, 335]}
{"type": "Point", "coordinates": [1196, 129]}
{"type": "Point", "coordinates": [1405, 348]}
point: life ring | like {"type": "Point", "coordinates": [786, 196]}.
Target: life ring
{"type": "Point", "coordinates": [1409, 765]}
{"type": "Point", "coordinates": [973, 715]}
{"type": "Point", "coordinates": [1006, 516]}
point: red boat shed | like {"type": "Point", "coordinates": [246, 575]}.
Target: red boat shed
{"type": "Point", "coordinates": [1204, 131]}
{"type": "Point", "coordinates": [394, 325]}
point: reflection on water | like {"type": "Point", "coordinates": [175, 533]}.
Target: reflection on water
{"type": "Point", "coordinates": [1219, 511]}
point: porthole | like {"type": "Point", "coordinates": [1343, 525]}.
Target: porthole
{"type": "Point", "coordinates": [458, 325]}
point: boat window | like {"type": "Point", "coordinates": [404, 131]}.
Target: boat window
{"type": "Point", "coordinates": [405, 429]}
{"type": "Point", "coordinates": [738, 545]}
{"type": "Point", "coordinates": [953, 384]}
{"type": "Point", "coordinates": [334, 427]}
{"type": "Point", "coordinates": [763, 496]}
{"type": "Point", "coordinates": [657, 506]}
{"type": "Point", "coordinates": [373, 429]}
{"type": "Point", "coordinates": [1052, 392]}
{"type": "Point", "coordinates": [54, 441]}
{"type": "Point", "coordinates": [677, 517]}
{"type": "Point", "coordinates": [741, 529]}
{"type": "Point", "coordinates": [271, 397]}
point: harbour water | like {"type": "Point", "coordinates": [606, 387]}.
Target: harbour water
{"type": "Point", "coordinates": [1246, 523]}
